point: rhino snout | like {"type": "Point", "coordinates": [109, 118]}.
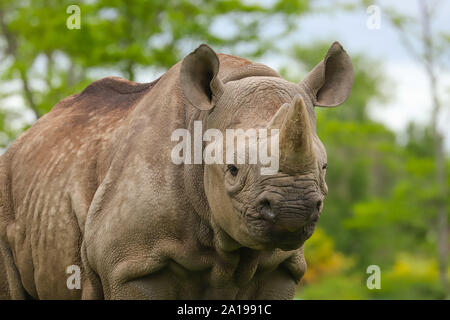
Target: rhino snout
{"type": "Point", "coordinates": [289, 215]}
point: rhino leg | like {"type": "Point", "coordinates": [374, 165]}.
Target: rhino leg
{"type": "Point", "coordinates": [92, 286]}
{"type": "Point", "coordinates": [279, 285]}
{"type": "Point", "coordinates": [10, 283]}
{"type": "Point", "coordinates": [159, 286]}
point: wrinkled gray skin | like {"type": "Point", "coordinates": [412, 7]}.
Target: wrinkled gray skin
{"type": "Point", "coordinates": [92, 184]}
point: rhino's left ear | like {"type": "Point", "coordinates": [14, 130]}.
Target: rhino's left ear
{"type": "Point", "coordinates": [198, 78]}
{"type": "Point", "coordinates": [331, 81]}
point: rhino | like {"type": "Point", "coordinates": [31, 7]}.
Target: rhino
{"type": "Point", "coordinates": [91, 187]}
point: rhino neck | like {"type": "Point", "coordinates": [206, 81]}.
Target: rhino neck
{"type": "Point", "coordinates": [211, 234]}
{"type": "Point", "coordinates": [193, 174]}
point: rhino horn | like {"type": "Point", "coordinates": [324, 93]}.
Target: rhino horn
{"type": "Point", "coordinates": [295, 139]}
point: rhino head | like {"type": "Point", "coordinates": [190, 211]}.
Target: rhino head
{"type": "Point", "coordinates": [267, 211]}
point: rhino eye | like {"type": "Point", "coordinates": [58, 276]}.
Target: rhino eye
{"type": "Point", "coordinates": [233, 170]}
{"type": "Point", "coordinates": [324, 166]}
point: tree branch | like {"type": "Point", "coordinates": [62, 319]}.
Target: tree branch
{"type": "Point", "coordinates": [11, 49]}
{"type": "Point", "coordinates": [29, 94]}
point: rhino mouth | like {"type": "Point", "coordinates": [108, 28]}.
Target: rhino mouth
{"type": "Point", "coordinates": [274, 234]}
{"type": "Point", "coordinates": [286, 226]}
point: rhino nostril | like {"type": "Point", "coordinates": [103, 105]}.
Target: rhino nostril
{"type": "Point", "coordinates": [318, 205]}
{"type": "Point", "coordinates": [266, 210]}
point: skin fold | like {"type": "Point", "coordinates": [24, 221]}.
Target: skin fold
{"type": "Point", "coordinates": [92, 184]}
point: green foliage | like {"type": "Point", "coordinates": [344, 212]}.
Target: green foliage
{"type": "Point", "coordinates": [411, 277]}
{"type": "Point", "coordinates": [44, 61]}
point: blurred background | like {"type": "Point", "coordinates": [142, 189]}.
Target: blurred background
{"type": "Point", "coordinates": [388, 144]}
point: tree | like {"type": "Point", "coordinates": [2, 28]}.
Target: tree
{"type": "Point", "coordinates": [43, 61]}
{"type": "Point", "coordinates": [429, 49]}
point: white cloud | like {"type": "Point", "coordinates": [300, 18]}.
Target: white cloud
{"type": "Point", "coordinates": [411, 100]}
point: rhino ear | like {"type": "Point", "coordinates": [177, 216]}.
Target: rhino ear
{"type": "Point", "coordinates": [198, 78]}
{"type": "Point", "coordinates": [331, 81]}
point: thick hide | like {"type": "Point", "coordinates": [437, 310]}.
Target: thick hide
{"type": "Point", "coordinates": [92, 184]}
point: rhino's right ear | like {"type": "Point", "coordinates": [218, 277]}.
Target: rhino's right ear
{"type": "Point", "coordinates": [198, 78]}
